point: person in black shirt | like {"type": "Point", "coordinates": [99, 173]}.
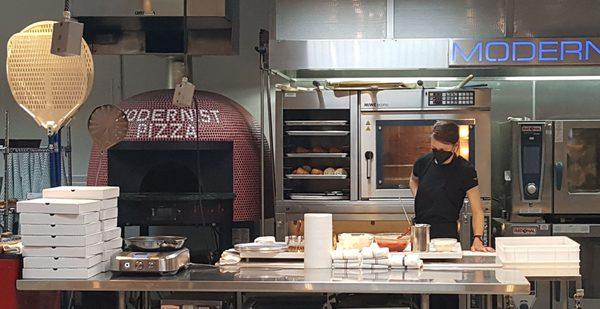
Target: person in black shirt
{"type": "Point", "coordinates": [439, 182]}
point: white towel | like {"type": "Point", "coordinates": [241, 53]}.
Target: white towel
{"type": "Point", "coordinates": [384, 261]}
{"type": "Point", "coordinates": [347, 261]}
{"type": "Point", "coordinates": [373, 266]}
{"type": "Point", "coordinates": [346, 265]}
{"type": "Point", "coordinates": [406, 261]}
{"type": "Point", "coordinates": [351, 254]}
{"type": "Point", "coordinates": [381, 253]}
{"type": "Point", "coordinates": [229, 257]}
{"type": "Point", "coordinates": [367, 253]}
{"type": "Point", "coordinates": [337, 254]}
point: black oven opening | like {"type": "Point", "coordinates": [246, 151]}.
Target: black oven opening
{"type": "Point", "coordinates": [171, 177]}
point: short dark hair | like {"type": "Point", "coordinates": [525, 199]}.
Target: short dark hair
{"type": "Point", "coordinates": [445, 132]}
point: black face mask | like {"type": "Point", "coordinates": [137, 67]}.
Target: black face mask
{"type": "Point", "coordinates": [441, 155]}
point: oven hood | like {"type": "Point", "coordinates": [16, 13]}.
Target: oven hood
{"type": "Point", "coordinates": [132, 27]}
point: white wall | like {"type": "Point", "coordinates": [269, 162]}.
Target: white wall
{"type": "Point", "coordinates": [232, 76]}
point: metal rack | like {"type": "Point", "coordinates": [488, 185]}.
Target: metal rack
{"type": "Point", "coordinates": [7, 150]}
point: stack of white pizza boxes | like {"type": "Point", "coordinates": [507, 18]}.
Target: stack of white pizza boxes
{"type": "Point", "coordinates": [71, 232]}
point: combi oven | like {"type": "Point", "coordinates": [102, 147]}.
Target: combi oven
{"type": "Point", "coordinates": [555, 168]}
{"type": "Point", "coordinates": [395, 129]}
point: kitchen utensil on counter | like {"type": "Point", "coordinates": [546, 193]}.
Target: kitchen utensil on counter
{"type": "Point", "coordinates": [419, 237]}
{"type": "Point", "coordinates": [443, 244]}
{"type": "Point", "coordinates": [163, 263]}
{"type": "Point", "coordinates": [49, 88]}
{"type": "Point", "coordinates": [354, 240]}
{"type": "Point", "coordinates": [318, 242]}
{"type": "Point", "coordinates": [396, 242]}
{"type": "Point", "coordinates": [108, 126]}
{"type": "Point", "coordinates": [155, 243]}
{"type": "Point", "coordinates": [262, 247]}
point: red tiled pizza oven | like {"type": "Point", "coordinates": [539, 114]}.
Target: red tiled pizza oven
{"type": "Point", "coordinates": [153, 118]}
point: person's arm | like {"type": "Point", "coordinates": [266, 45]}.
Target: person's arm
{"type": "Point", "coordinates": [474, 196]}
{"type": "Point", "coordinates": [413, 184]}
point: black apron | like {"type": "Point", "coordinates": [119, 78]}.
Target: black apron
{"type": "Point", "coordinates": [442, 230]}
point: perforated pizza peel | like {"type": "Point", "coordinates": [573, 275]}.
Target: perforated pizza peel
{"type": "Point", "coordinates": [50, 88]}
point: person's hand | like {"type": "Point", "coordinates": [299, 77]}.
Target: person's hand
{"type": "Point", "coordinates": [479, 246]}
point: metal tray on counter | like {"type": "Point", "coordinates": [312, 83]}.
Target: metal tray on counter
{"type": "Point", "coordinates": [309, 176]}
{"type": "Point", "coordinates": [317, 155]}
{"type": "Point", "coordinates": [316, 122]}
{"type": "Point", "coordinates": [261, 247]}
{"type": "Point", "coordinates": [317, 133]}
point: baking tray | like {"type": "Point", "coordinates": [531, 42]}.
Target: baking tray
{"type": "Point", "coordinates": [316, 122]}
{"type": "Point", "coordinates": [432, 255]}
{"type": "Point", "coordinates": [318, 133]}
{"type": "Point", "coordinates": [317, 155]}
{"type": "Point", "coordinates": [275, 256]}
{"type": "Point", "coordinates": [309, 176]}
{"type": "Point", "coordinates": [261, 247]}
{"type": "Point", "coordinates": [317, 197]}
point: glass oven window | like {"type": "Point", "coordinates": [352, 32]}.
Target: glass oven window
{"type": "Point", "coordinates": [401, 142]}
{"type": "Point", "coordinates": [583, 167]}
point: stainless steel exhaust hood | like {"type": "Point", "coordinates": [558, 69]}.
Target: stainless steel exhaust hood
{"type": "Point", "coordinates": [130, 27]}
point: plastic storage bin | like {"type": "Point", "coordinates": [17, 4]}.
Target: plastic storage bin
{"type": "Point", "coordinates": [541, 252]}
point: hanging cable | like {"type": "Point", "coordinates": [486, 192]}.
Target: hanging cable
{"type": "Point", "coordinates": [67, 5]}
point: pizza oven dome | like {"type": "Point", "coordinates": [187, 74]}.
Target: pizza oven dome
{"type": "Point", "coordinates": [154, 120]}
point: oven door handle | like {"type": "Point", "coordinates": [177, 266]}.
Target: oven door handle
{"type": "Point", "coordinates": [558, 174]}
{"type": "Point", "coordinates": [369, 157]}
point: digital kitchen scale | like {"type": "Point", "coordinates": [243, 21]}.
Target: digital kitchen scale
{"type": "Point", "coordinates": [163, 263]}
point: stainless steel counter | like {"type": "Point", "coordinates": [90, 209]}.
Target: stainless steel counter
{"type": "Point", "coordinates": [458, 281]}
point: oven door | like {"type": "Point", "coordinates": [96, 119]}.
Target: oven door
{"type": "Point", "coordinates": [588, 237]}
{"type": "Point", "coordinates": [577, 167]}
{"type": "Point", "coordinates": [390, 144]}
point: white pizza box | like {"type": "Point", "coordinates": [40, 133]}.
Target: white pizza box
{"type": "Point", "coordinates": [61, 262]}
{"type": "Point", "coordinates": [105, 266]}
{"type": "Point", "coordinates": [58, 206]}
{"type": "Point", "coordinates": [60, 241]}
{"type": "Point", "coordinates": [82, 192]}
{"type": "Point", "coordinates": [110, 213]}
{"type": "Point", "coordinates": [38, 218]}
{"type": "Point", "coordinates": [108, 224]}
{"type": "Point", "coordinates": [116, 243]}
{"type": "Point", "coordinates": [62, 273]}
{"type": "Point", "coordinates": [82, 252]}
{"type": "Point", "coordinates": [111, 234]}
{"type": "Point", "coordinates": [61, 229]}
{"type": "Point", "coordinates": [110, 203]}
{"type": "Point", "coordinates": [107, 255]}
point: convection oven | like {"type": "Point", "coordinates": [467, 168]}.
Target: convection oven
{"type": "Point", "coordinates": [395, 130]}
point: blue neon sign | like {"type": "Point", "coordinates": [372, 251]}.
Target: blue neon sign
{"type": "Point", "coordinates": [524, 51]}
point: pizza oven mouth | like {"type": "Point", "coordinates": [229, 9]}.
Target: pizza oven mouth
{"type": "Point", "coordinates": [174, 183]}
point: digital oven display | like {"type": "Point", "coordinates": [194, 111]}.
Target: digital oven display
{"type": "Point", "coordinates": [451, 98]}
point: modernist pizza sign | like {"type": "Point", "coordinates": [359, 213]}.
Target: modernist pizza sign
{"type": "Point", "coordinates": [524, 51]}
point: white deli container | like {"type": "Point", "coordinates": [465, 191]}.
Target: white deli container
{"type": "Point", "coordinates": [61, 229]}
{"type": "Point", "coordinates": [111, 234]}
{"type": "Point", "coordinates": [60, 262]}
{"type": "Point", "coordinates": [111, 203]}
{"type": "Point", "coordinates": [82, 192]}
{"type": "Point", "coordinates": [108, 224]}
{"type": "Point", "coordinates": [538, 251]}
{"type": "Point", "coordinates": [82, 252]}
{"type": "Point", "coordinates": [58, 206]}
{"type": "Point", "coordinates": [62, 273]}
{"type": "Point", "coordinates": [110, 213]}
{"type": "Point", "coordinates": [60, 241]}
{"type": "Point", "coordinates": [38, 218]}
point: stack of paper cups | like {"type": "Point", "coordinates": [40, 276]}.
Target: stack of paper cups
{"type": "Point", "coordinates": [318, 230]}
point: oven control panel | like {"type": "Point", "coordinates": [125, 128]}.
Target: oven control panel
{"type": "Point", "coordinates": [451, 98]}
{"type": "Point", "coordinates": [531, 161]}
